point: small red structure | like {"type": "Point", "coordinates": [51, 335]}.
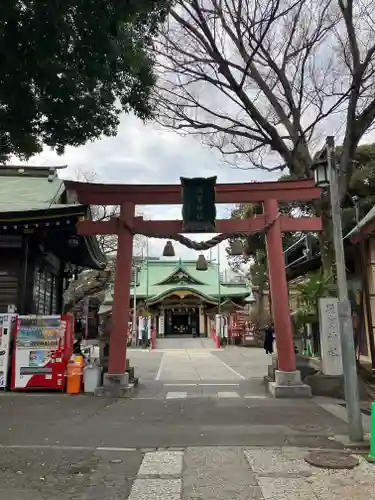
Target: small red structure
{"type": "Point", "coordinates": [125, 226]}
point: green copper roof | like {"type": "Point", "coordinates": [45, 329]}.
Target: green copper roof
{"type": "Point", "coordinates": [18, 193]}
{"type": "Point", "coordinates": [159, 278]}
{"type": "Point", "coordinates": [38, 191]}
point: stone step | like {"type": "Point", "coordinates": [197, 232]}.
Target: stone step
{"type": "Point", "coordinates": [115, 392]}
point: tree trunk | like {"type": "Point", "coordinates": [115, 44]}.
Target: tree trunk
{"type": "Point", "coordinates": [327, 251]}
{"type": "Point", "coordinates": [261, 307]}
{"type": "Point", "coordinates": [262, 283]}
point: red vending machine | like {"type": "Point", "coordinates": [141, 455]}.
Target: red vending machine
{"type": "Point", "coordinates": [43, 346]}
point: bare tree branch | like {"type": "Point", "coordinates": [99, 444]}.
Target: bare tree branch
{"type": "Point", "coordinates": [107, 242]}
{"type": "Point", "coordinates": [263, 80]}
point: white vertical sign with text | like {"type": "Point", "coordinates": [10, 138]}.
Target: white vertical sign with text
{"type": "Point", "coordinates": [330, 336]}
{"type": "Point", "coordinates": [161, 324]}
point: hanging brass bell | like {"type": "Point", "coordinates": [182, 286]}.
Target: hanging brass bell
{"type": "Point", "coordinates": [201, 263]}
{"type": "Point", "coordinates": [168, 250]}
{"type": "Point", "coordinates": [236, 247]}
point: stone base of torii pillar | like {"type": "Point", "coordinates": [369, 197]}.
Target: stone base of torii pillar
{"type": "Point", "coordinates": [282, 384]}
{"type": "Point", "coordinates": [116, 386]}
{"type": "Point", "coordinates": [289, 385]}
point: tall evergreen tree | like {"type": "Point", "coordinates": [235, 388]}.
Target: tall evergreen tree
{"type": "Point", "coordinates": [69, 68]}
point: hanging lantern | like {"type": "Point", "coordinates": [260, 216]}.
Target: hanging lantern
{"type": "Point", "coordinates": [201, 263]}
{"type": "Point", "coordinates": [168, 250]}
{"type": "Point", "coordinates": [236, 247]}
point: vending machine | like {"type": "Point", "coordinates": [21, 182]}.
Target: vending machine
{"type": "Point", "coordinates": [43, 346]}
{"type": "Point", "coordinates": [7, 331]}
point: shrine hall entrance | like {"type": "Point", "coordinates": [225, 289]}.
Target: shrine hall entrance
{"type": "Point", "coordinates": [182, 322]}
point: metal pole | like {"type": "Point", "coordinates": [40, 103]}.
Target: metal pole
{"type": "Point", "coordinates": [344, 308]}
{"type": "Point", "coordinates": [149, 325]}
{"type": "Point", "coordinates": [134, 329]}
{"type": "Point", "coordinates": [87, 310]}
{"type": "Point", "coordinates": [218, 272]}
{"type": "Point", "coordinates": [147, 269]}
{"type": "Point", "coordinates": [219, 293]}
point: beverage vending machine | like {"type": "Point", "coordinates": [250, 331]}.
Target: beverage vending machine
{"type": "Point", "coordinates": [43, 346]}
{"type": "Point", "coordinates": [8, 323]}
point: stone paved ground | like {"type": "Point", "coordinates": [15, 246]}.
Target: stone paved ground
{"type": "Point", "coordinates": [193, 473]}
{"type": "Point", "coordinates": [38, 419]}
{"type": "Point", "coordinates": [201, 427]}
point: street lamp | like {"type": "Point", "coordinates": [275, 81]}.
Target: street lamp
{"type": "Point", "coordinates": [327, 176]}
{"type": "Point", "coordinates": [321, 172]}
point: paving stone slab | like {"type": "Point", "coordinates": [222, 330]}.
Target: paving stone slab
{"type": "Point", "coordinates": [176, 395]}
{"type": "Point", "coordinates": [282, 474]}
{"type": "Point", "coordinates": [266, 461]}
{"type": "Point", "coordinates": [227, 394]}
{"type": "Point", "coordinates": [218, 473]}
{"type": "Point", "coordinates": [156, 489]}
{"type": "Point", "coordinates": [161, 463]}
{"type": "Point", "coordinates": [286, 489]}
{"type": "Point", "coordinates": [338, 487]}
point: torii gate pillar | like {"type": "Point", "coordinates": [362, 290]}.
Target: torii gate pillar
{"type": "Point", "coordinates": [116, 381]}
{"type": "Point", "coordinates": [287, 379]}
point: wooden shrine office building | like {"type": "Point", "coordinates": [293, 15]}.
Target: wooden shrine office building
{"type": "Point", "coordinates": [39, 246]}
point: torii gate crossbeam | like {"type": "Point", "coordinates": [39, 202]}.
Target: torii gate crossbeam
{"type": "Point", "coordinates": [288, 382]}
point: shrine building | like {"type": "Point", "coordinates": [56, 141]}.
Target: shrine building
{"type": "Point", "coordinates": [182, 300]}
{"type": "Point", "coordinates": [40, 249]}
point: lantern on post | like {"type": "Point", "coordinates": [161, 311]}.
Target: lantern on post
{"type": "Point", "coordinates": [198, 204]}
{"type": "Point", "coordinates": [320, 169]}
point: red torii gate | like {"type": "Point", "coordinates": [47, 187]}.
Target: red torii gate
{"type": "Point", "coordinates": [127, 224]}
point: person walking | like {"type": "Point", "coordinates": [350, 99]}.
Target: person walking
{"type": "Point", "coordinates": [77, 346]}
{"type": "Point", "coordinates": [269, 336]}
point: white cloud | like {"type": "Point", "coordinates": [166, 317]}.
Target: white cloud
{"type": "Point", "coordinates": [147, 154]}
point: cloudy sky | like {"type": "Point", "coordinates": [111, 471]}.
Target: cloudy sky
{"type": "Point", "coordinates": [148, 154]}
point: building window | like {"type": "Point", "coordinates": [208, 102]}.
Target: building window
{"type": "Point", "coordinates": [45, 297]}
{"type": "Point", "coordinates": [54, 295]}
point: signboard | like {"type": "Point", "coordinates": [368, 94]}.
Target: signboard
{"type": "Point", "coordinates": [330, 336]}
{"type": "Point", "coordinates": [241, 318]}
{"type": "Point", "coordinates": [219, 325]}
{"type": "Point", "coordinates": [198, 204]}
{"type": "Point", "coordinates": [161, 325]}
{"type": "Point", "coordinates": [149, 326]}
{"type": "Point", "coordinates": [141, 325]}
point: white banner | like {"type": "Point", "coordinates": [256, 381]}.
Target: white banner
{"type": "Point", "coordinates": [161, 325]}
{"type": "Point", "coordinates": [141, 324]}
